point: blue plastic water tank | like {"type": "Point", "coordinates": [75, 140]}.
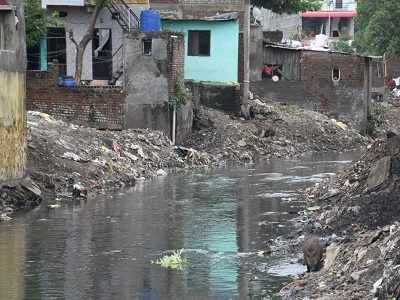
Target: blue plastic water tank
{"type": "Point", "coordinates": [150, 20]}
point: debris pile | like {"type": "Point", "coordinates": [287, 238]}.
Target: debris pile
{"type": "Point", "coordinates": [275, 131]}
{"type": "Point", "coordinates": [366, 195]}
{"type": "Point", "coordinates": [360, 209]}
{"type": "Point", "coordinates": [73, 158]}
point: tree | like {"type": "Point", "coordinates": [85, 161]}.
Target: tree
{"type": "Point", "coordinates": [88, 36]}
{"type": "Point", "coordinates": [288, 6]}
{"type": "Point", "coordinates": [36, 22]}
{"type": "Point", "coordinates": [378, 22]}
{"type": "Point", "coordinates": [343, 44]}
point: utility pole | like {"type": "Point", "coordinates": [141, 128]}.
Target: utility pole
{"type": "Point", "coordinates": [246, 63]}
{"type": "Point", "coordinates": [329, 18]}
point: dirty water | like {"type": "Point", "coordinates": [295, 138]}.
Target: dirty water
{"type": "Point", "coordinates": [103, 248]}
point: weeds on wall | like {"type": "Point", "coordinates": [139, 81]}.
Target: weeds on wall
{"type": "Point", "coordinates": [181, 96]}
{"type": "Point", "coordinates": [376, 118]}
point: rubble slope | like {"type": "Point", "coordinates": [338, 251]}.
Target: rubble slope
{"type": "Point", "coordinates": [276, 131]}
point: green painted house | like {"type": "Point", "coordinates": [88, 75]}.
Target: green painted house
{"type": "Point", "coordinates": [212, 47]}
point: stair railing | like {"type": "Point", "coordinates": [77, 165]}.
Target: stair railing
{"type": "Point", "coordinates": [127, 16]}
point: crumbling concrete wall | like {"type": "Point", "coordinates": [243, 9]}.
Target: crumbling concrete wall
{"type": "Point", "coordinates": [284, 91]}
{"type": "Point", "coordinates": [220, 96]}
{"type": "Point", "coordinates": [256, 53]}
{"type": "Point", "coordinates": [151, 80]}
{"type": "Point", "coordinates": [194, 9]}
{"type": "Point", "coordinates": [12, 94]}
{"type": "Point", "coordinates": [288, 24]}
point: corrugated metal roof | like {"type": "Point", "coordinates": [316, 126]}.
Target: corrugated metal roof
{"type": "Point", "coordinates": [5, 5]}
{"type": "Point", "coordinates": [327, 14]}
{"type": "Point", "coordinates": [218, 17]}
{"type": "Point", "coordinates": [287, 47]}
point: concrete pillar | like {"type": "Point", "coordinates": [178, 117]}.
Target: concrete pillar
{"type": "Point", "coordinates": [351, 28]}
{"type": "Point", "coordinates": [43, 54]}
{"type": "Point", "coordinates": [256, 53]}
{"type": "Point", "coordinates": [246, 53]}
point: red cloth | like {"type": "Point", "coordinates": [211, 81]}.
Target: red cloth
{"type": "Point", "coordinates": [391, 84]}
{"type": "Point", "coordinates": [268, 70]}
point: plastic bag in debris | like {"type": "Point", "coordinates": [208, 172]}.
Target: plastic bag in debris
{"type": "Point", "coordinates": [72, 156]}
{"type": "Point", "coordinates": [341, 125]}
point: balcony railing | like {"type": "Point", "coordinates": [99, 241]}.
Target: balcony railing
{"type": "Point", "coordinates": [339, 5]}
{"type": "Point", "coordinates": [46, 3]}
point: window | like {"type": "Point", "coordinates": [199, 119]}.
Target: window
{"type": "Point", "coordinates": [339, 4]}
{"type": "Point", "coordinates": [336, 74]}
{"type": "Point", "coordinates": [147, 47]}
{"type": "Point", "coordinates": [2, 42]}
{"type": "Point", "coordinates": [199, 42]}
{"type": "Point", "coordinates": [62, 14]}
{"type": "Point", "coordinates": [2, 32]}
{"type": "Point", "coordinates": [7, 29]}
{"type": "Point", "coordinates": [378, 70]}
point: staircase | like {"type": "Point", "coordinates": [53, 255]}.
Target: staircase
{"type": "Point", "coordinates": [124, 15]}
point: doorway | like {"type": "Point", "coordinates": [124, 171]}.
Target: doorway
{"type": "Point", "coordinates": [102, 54]}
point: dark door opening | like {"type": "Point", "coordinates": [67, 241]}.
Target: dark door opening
{"type": "Point", "coordinates": [33, 54]}
{"type": "Point", "coordinates": [56, 48]}
{"type": "Point", "coordinates": [102, 54]}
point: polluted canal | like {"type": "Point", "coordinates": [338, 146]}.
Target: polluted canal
{"type": "Point", "coordinates": [105, 248]}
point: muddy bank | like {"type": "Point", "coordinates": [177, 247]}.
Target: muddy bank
{"type": "Point", "coordinates": [66, 161]}
{"type": "Point", "coordinates": [275, 131]}
{"type": "Point", "coordinates": [358, 215]}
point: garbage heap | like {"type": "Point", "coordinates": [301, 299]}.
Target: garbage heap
{"type": "Point", "coordinates": [359, 214]}
{"type": "Point", "coordinates": [274, 131]}
{"type": "Point", "coordinates": [366, 196]}
{"type": "Point", "coordinates": [71, 160]}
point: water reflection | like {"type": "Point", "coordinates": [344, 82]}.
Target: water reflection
{"type": "Point", "coordinates": [103, 248]}
{"type": "Point", "coordinates": [12, 263]}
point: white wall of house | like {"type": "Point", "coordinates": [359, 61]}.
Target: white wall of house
{"type": "Point", "coordinates": [335, 4]}
{"type": "Point", "coordinates": [289, 24]}
{"type": "Point", "coordinates": [76, 20]}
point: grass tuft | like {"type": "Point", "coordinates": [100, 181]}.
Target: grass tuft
{"type": "Point", "coordinates": [173, 261]}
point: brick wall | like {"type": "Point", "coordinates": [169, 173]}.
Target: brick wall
{"type": "Point", "coordinates": [316, 73]}
{"type": "Point", "coordinates": [176, 61]}
{"type": "Point", "coordinates": [346, 99]}
{"type": "Point", "coordinates": [99, 107]}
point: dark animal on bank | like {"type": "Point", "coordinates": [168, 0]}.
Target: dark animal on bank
{"type": "Point", "coordinates": [313, 252]}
